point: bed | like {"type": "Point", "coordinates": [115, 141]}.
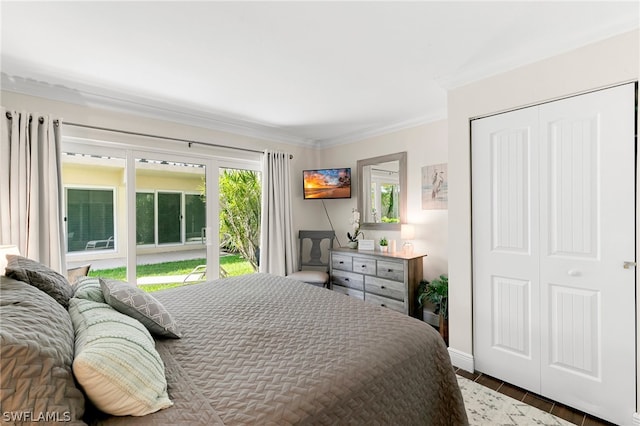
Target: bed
{"type": "Point", "coordinates": [268, 350]}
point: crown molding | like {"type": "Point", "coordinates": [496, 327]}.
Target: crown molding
{"type": "Point", "coordinates": [149, 108]}
{"type": "Point", "coordinates": [160, 110]}
{"type": "Point", "coordinates": [383, 130]}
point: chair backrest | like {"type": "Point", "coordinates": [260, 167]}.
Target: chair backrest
{"type": "Point", "coordinates": [80, 271]}
{"type": "Point", "coordinates": [315, 254]}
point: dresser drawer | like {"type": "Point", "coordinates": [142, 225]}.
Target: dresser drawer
{"type": "Point", "coordinates": [364, 266]}
{"type": "Point", "coordinates": [382, 287]}
{"type": "Point", "coordinates": [348, 279]}
{"type": "Point", "coordinates": [349, 291]}
{"type": "Point", "coordinates": [391, 270]}
{"type": "Point", "coordinates": [339, 261]}
{"type": "Point", "coordinates": [385, 302]}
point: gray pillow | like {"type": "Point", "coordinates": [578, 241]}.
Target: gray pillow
{"type": "Point", "coordinates": [36, 353]}
{"type": "Point", "coordinates": [41, 277]}
{"type": "Point", "coordinates": [142, 306]}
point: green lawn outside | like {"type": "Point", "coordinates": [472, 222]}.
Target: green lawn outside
{"type": "Point", "coordinates": [233, 264]}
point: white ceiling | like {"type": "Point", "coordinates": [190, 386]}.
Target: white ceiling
{"type": "Point", "coordinates": [301, 72]}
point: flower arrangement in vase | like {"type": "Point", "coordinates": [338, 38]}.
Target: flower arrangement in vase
{"type": "Point", "coordinates": [355, 223]}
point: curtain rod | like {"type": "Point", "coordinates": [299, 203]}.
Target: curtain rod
{"type": "Point", "coordinates": [147, 135]}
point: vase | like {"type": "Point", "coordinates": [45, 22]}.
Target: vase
{"type": "Point", "coordinates": [384, 249]}
{"type": "Point", "coordinates": [352, 244]}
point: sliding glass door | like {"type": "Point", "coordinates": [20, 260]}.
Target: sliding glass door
{"type": "Point", "coordinates": [173, 246]}
{"type": "Point", "coordinates": [146, 217]}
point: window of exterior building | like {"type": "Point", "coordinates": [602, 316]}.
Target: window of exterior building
{"type": "Point", "coordinates": [90, 219]}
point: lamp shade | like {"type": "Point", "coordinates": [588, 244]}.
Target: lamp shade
{"type": "Point", "coordinates": [4, 251]}
{"type": "Point", "coordinates": [407, 232]}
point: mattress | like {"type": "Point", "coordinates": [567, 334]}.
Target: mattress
{"type": "Point", "coordinates": [268, 350]}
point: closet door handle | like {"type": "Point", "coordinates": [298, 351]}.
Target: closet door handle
{"type": "Point", "coordinates": [574, 273]}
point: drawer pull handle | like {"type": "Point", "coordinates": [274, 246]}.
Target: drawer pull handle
{"type": "Point", "coordinates": [383, 305]}
{"type": "Point", "coordinates": [363, 266]}
{"type": "Point", "coordinates": [390, 270]}
{"type": "Point", "coordinates": [341, 262]}
{"type": "Point", "coordinates": [346, 279]}
{"type": "Point", "coordinates": [382, 287]}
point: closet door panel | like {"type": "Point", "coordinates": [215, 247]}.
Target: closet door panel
{"type": "Point", "coordinates": [506, 337]}
{"type": "Point", "coordinates": [587, 204]}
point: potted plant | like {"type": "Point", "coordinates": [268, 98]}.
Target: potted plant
{"type": "Point", "coordinates": [384, 244]}
{"type": "Point", "coordinates": [437, 292]}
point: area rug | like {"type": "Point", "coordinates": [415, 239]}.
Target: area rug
{"type": "Point", "coordinates": [487, 407]}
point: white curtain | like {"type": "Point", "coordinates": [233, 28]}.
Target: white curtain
{"type": "Point", "coordinates": [277, 238]}
{"type": "Point", "coordinates": [31, 187]}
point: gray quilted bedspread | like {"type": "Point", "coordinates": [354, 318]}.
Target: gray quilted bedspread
{"type": "Point", "coordinates": [266, 350]}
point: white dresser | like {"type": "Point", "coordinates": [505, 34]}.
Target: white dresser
{"type": "Point", "coordinates": [384, 279]}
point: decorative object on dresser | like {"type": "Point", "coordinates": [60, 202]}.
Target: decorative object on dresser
{"type": "Point", "coordinates": [407, 233]}
{"type": "Point", "coordinates": [368, 245]}
{"type": "Point", "coordinates": [355, 223]}
{"type": "Point", "coordinates": [385, 279]}
{"type": "Point", "coordinates": [312, 269]}
{"type": "Point", "coordinates": [384, 244]}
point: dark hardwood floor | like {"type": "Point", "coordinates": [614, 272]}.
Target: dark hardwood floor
{"type": "Point", "coordinates": [567, 413]}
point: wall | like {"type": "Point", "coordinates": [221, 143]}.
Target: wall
{"type": "Point", "coordinates": [598, 65]}
{"type": "Point", "coordinates": [425, 145]}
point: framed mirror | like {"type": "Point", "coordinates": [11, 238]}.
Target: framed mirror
{"type": "Point", "coordinates": [382, 191]}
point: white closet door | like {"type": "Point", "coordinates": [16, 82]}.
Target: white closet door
{"type": "Point", "coordinates": [553, 224]}
{"type": "Point", "coordinates": [587, 176]}
{"type": "Point", "coordinates": [505, 247]}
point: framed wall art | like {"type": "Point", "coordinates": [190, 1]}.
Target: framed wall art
{"type": "Point", "coordinates": [435, 194]}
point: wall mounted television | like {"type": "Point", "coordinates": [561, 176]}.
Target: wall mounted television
{"type": "Point", "coordinates": [322, 184]}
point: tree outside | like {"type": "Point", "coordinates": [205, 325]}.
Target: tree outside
{"type": "Point", "coordinates": [240, 194]}
{"type": "Point", "coordinates": [389, 195]}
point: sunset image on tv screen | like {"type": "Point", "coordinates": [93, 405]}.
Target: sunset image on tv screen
{"type": "Point", "coordinates": [327, 183]}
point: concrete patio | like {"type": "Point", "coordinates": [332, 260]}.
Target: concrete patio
{"type": "Point", "coordinates": [143, 259]}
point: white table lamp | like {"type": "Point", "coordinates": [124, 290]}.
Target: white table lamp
{"type": "Point", "coordinates": [4, 251]}
{"type": "Point", "coordinates": [407, 233]}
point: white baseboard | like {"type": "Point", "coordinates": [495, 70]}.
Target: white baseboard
{"type": "Point", "coordinates": [636, 419]}
{"type": "Point", "coordinates": [461, 360]}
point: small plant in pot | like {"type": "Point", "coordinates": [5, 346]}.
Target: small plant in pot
{"type": "Point", "coordinates": [437, 292]}
{"type": "Point", "coordinates": [384, 244]}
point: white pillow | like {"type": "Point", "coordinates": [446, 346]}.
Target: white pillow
{"type": "Point", "coordinates": [116, 362]}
